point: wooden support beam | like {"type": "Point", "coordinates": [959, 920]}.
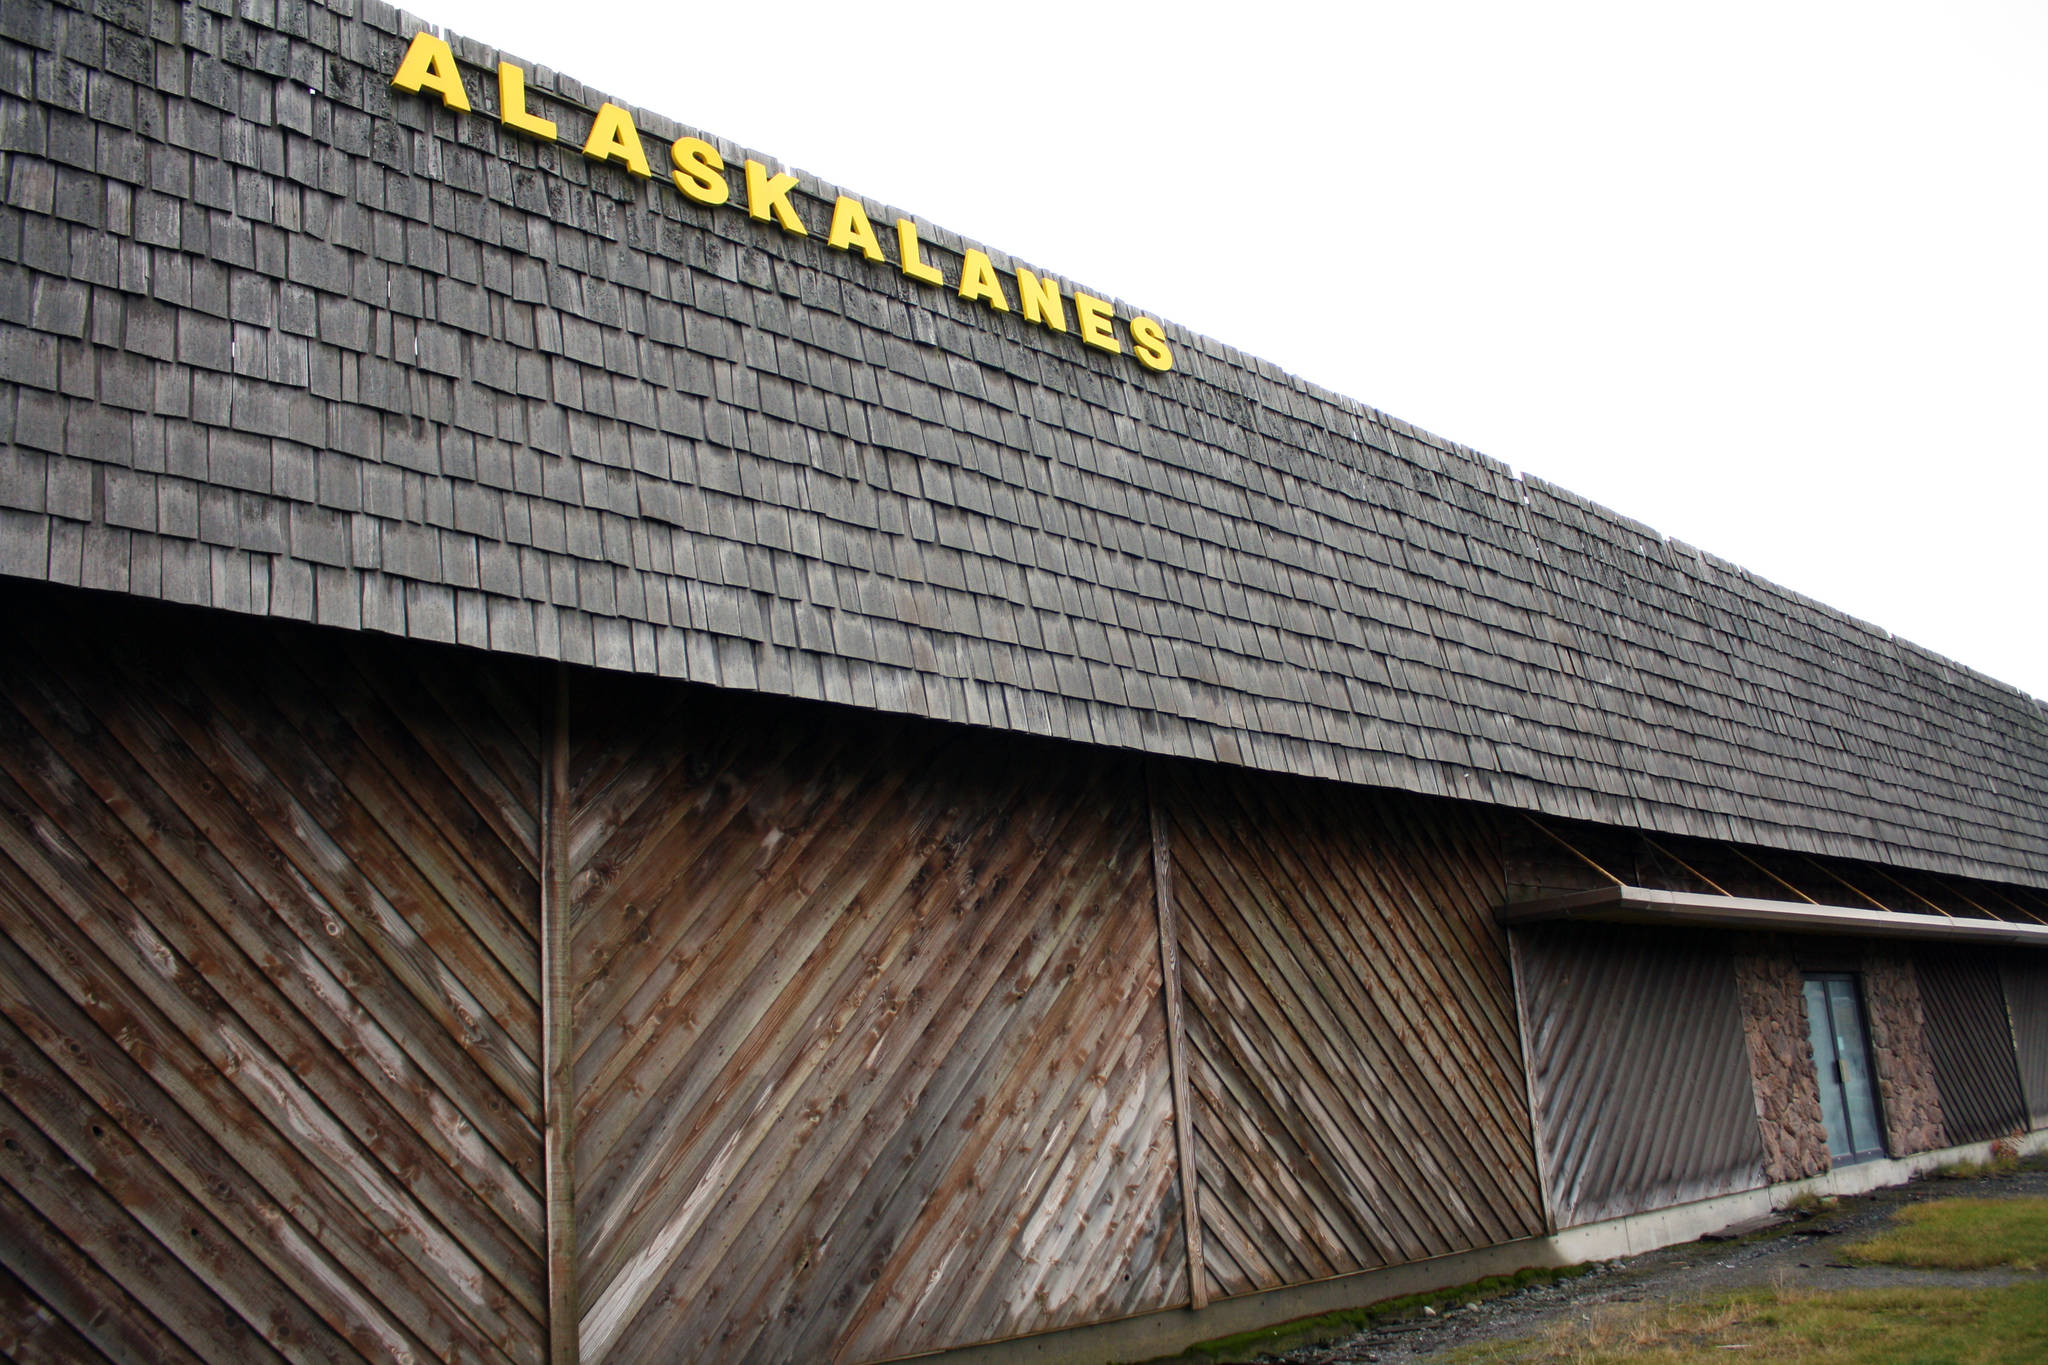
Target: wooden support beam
{"type": "Point", "coordinates": [1176, 1036]}
{"type": "Point", "coordinates": [556, 1074]}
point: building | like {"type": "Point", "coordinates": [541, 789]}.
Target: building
{"type": "Point", "coordinates": [608, 753]}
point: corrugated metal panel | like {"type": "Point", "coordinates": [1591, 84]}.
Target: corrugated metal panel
{"type": "Point", "coordinates": [1357, 1082]}
{"type": "Point", "coordinates": [1970, 1036]}
{"type": "Point", "coordinates": [1638, 1068]}
{"type": "Point", "coordinates": [2026, 997]}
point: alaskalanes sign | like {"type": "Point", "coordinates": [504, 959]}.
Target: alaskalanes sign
{"type": "Point", "coordinates": [699, 171]}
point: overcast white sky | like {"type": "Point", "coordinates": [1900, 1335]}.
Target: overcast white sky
{"type": "Point", "coordinates": [1772, 278]}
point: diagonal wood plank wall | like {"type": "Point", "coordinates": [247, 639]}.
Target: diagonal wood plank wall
{"type": "Point", "coordinates": [870, 1050]}
{"type": "Point", "coordinates": [267, 1012]}
{"type": "Point", "coordinates": [865, 1047]}
{"type": "Point", "coordinates": [1358, 1091]}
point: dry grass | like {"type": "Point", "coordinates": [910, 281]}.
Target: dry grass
{"type": "Point", "coordinates": [1806, 1203]}
{"type": "Point", "coordinates": [1617, 1332]}
{"type": "Point", "coordinates": [2003, 1160]}
{"type": "Point", "coordinates": [1968, 1327]}
{"type": "Point", "coordinates": [1874, 1327]}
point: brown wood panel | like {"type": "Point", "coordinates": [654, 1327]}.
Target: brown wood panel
{"type": "Point", "coordinates": [32, 1329]}
{"type": "Point", "coordinates": [333, 974]}
{"type": "Point", "coordinates": [870, 1045]}
{"type": "Point", "coordinates": [94, 1225]}
{"type": "Point", "coordinates": [31, 1333]}
{"type": "Point", "coordinates": [267, 991]}
{"type": "Point", "coordinates": [556, 1016]}
{"type": "Point", "coordinates": [1358, 1090]}
{"type": "Point", "coordinates": [1176, 1041]}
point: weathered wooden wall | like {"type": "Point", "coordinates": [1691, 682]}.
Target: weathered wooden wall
{"type": "Point", "coordinates": [870, 1043]}
{"type": "Point", "coordinates": [865, 1043]}
{"type": "Point", "coordinates": [1352, 1047]}
{"type": "Point", "coordinates": [867, 1050]}
{"type": "Point", "coordinates": [267, 994]}
{"type": "Point", "coordinates": [1639, 1069]}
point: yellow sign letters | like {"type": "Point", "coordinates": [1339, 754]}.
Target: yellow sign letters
{"type": "Point", "coordinates": [698, 172]}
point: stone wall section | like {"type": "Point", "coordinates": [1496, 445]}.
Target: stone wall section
{"type": "Point", "coordinates": [1898, 1044]}
{"type": "Point", "coordinates": [1781, 1065]}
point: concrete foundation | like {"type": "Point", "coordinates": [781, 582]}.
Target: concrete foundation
{"type": "Point", "coordinates": [1173, 1331]}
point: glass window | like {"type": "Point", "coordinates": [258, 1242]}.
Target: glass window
{"type": "Point", "coordinates": [1841, 1057]}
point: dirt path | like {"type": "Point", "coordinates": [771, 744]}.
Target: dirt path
{"type": "Point", "coordinates": [1799, 1254]}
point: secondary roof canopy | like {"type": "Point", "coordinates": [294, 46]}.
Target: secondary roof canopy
{"type": "Point", "coordinates": [1644, 905]}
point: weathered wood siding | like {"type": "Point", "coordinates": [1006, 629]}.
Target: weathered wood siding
{"type": "Point", "coordinates": [870, 1050]}
{"type": "Point", "coordinates": [284, 340]}
{"type": "Point", "coordinates": [1639, 1067]}
{"type": "Point", "coordinates": [267, 971]}
{"type": "Point", "coordinates": [1352, 1048]}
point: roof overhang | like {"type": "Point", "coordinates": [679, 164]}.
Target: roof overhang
{"type": "Point", "coordinates": [1686, 909]}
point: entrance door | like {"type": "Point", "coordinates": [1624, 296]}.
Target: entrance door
{"type": "Point", "coordinates": [1841, 1055]}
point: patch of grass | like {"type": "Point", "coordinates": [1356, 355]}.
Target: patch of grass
{"type": "Point", "coordinates": [2004, 1160]}
{"type": "Point", "coordinates": [1329, 1327]}
{"type": "Point", "coordinates": [1962, 1234]}
{"type": "Point", "coordinates": [1806, 1203]}
{"type": "Point", "coordinates": [1969, 1327]}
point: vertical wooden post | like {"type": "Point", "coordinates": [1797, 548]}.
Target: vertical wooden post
{"type": "Point", "coordinates": [557, 1102]}
{"type": "Point", "coordinates": [1176, 1036]}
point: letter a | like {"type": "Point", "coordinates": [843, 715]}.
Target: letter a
{"type": "Point", "coordinates": [978, 280]}
{"type": "Point", "coordinates": [429, 65]}
{"type": "Point", "coordinates": [614, 138]}
{"type": "Point", "coordinates": [851, 228]}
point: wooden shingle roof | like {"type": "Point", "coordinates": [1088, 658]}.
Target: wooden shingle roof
{"type": "Point", "coordinates": [276, 338]}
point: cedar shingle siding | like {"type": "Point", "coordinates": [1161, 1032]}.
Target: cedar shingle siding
{"type": "Point", "coordinates": [279, 339]}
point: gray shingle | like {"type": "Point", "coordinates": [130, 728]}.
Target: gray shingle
{"type": "Point", "coordinates": [451, 395]}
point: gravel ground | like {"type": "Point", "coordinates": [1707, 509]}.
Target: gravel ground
{"type": "Point", "coordinates": [1798, 1254]}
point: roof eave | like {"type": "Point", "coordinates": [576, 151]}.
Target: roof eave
{"type": "Point", "coordinates": [1685, 909]}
